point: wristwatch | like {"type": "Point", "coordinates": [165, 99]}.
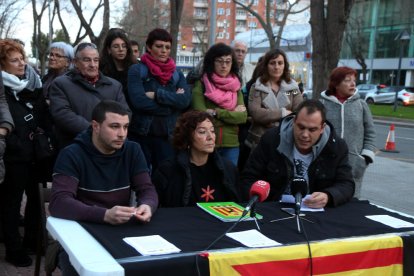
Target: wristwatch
{"type": "Point", "coordinates": [214, 113]}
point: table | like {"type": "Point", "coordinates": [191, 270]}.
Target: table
{"type": "Point", "coordinates": [192, 230]}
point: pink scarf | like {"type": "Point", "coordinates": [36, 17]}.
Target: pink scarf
{"type": "Point", "coordinates": [223, 90]}
{"type": "Point", "coordinates": [163, 71]}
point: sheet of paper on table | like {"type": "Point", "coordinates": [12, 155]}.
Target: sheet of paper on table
{"type": "Point", "coordinates": [151, 245]}
{"type": "Point", "coordinates": [391, 221]}
{"type": "Point", "coordinates": [252, 238]}
{"type": "Point", "coordinates": [303, 207]}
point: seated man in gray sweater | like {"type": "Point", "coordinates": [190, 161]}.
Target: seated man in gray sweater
{"type": "Point", "coordinates": [93, 177]}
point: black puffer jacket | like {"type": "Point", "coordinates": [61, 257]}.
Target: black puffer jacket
{"type": "Point", "coordinates": [271, 161]}
{"type": "Point", "coordinates": [173, 181]}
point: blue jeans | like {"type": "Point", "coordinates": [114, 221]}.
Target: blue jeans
{"type": "Point", "coordinates": [231, 154]}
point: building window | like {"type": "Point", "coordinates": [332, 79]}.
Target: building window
{"type": "Point", "coordinates": [200, 12]}
{"type": "Point", "coordinates": [220, 11]}
{"type": "Point", "coordinates": [220, 35]}
{"type": "Point", "coordinates": [220, 1]}
{"type": "Point", "coordinates": [227, 36]}
{"type": "Point", "coordinates": [228, 11]}
{"type": "Point", "coordinates": [256, 3]}
{"type": "Point", "coordinates": [240, 12]}
{"type": "Point", "coordinates": [240, 23]}
{"type": "Point", "coordinates": [252, 24]}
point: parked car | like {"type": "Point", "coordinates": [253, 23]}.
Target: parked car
{"type": "Point", "coordinates": [364, 89]}
{"type": "Point", "coordinates": [387, 95]}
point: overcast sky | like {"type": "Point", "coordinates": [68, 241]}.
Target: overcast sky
{"type": "Point", "coordinates": [24, 29]}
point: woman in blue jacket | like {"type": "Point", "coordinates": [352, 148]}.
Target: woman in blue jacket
{"type": "Point", "coordinates": [157, 94]}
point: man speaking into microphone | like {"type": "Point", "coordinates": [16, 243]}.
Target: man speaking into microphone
{"type": "Point", "coordinates": [304, 146]}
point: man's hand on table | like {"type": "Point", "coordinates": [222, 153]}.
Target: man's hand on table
{"type": "Point", "coordinates": [317, 200]}
{"type": "Point", "coordinates": [119, 214]}
{"type": "Point", "coordinates": [143, 213]}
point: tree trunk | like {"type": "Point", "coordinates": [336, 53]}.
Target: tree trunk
{"type": "Point", "coordinates": [319, 55]}
{"type": "Point", "coordinates": [327, 35]}
{"type": "Point", "coordinates": [176, 11]}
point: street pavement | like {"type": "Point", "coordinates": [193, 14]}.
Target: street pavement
{"type": "Point", "coordinates": [390, 183]}
{"type": "Point", "coordinates": [387, 182]}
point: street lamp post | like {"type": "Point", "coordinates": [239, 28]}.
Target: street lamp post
{"type": "Point", "coordinates": [402, 37]}
{"type": "Point", "coordinates": [194, 50]}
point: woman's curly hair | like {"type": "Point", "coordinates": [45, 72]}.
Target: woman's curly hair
{"type": "Point", "coordinates": [185, 127]}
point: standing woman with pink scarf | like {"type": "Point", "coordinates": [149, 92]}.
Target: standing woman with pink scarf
{"type": "Point", "coordinates": [157, 95]}
{"type": "Point", "coordinates": [218, 92]}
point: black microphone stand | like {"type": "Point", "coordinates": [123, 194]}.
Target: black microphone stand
{"type": "Point", "coordinates": [297, 215]}
{"type": "Point", "coordinates": [253, 215]}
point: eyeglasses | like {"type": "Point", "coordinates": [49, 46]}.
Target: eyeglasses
{"type": "Point", "coordinates": [226, 62]}
{"type": "Point", "coordinates": [240, 51]}
{"type": "Point", "coordinates": [55, 55]}
{"type": "Point", "coordinates": [84, 45]}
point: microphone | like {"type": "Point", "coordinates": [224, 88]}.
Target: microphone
{"type": "Point", "coordinates": [258, 193]}
{"type": "Point", "coordinates": [299, 189]}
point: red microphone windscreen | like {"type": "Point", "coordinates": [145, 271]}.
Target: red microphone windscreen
{"type": "Point", "coordinates": [261, 189]}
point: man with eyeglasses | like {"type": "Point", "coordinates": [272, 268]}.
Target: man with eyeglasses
{"type": "Point", "coordinates": [245, 73]}
{"type": "Point", "coordinates": [74, 95]}
{"type": "Point", "coordinates": [245, 68]}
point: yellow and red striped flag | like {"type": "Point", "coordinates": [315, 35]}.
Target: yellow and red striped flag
{"type": "Point", "coordinates": [375, 255]}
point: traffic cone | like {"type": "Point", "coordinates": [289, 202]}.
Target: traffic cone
{"type": "Point", "coordinates": [390, 143]}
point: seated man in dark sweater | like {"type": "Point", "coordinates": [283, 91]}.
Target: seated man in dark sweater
{"type": "Point", "coordinates": [93, 177]}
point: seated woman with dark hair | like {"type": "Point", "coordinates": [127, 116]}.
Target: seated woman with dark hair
{"type": "Point", "coordinates": [197, 173]}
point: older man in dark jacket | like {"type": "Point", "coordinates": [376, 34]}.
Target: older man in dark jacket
{"type": "Point", "coordinates": [303, 146]}
{"type": "Point", "coordinates": [74, 95]}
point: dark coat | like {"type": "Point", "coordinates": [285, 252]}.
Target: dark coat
{"type": "Point", "coordinates": [167, 105]}
{"type": "Point", "coordinates": [173, 180]}
{"type": "Point", "coordinates": [329, 172]}
{"type": "Point", "coordinates": [72, 100]}
{"type": "Point", "coordinates": [19, 142]}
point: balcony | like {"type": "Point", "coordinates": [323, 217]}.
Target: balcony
{"type": "Point", "coordinates": [200, 16]}
{"type": "Point", "coordinates": [240, 29]}
{"type": "Point", "coordinates": [200, 4]}
{"type": "Point", "coordinates": [241, 16]}
{"type": "Point", "coordinates": [196, 40]}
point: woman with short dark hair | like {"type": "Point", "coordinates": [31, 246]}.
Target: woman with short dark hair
{"type": "Point", "coordinates": [197, 173]}
{"type": "Point", "coordinates": [157, 94]}
{"type": "Point", "coordinates": [218, 93]}
{"type": "Point", "coordinates": [273, 95]}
